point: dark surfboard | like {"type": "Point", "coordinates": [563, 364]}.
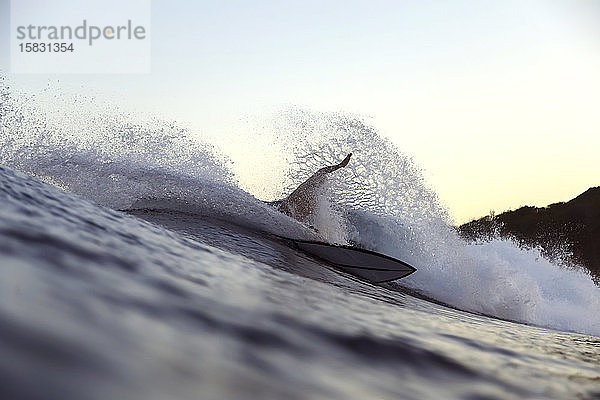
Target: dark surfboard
{"type": "Point", "coordinates": [365, 264]}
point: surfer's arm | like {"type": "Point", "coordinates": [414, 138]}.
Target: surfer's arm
{"type": "Point", "coordinates": [300, 202]}
{"type": "Point", "coordinates": [318, 177]}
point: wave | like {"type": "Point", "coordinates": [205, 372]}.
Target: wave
{"type": "Point", "coordinates": [122, 161]}
{"type": "Point", "coordinates": [389, 208]}
{"type": "Point", "coordinates": [380, 201]}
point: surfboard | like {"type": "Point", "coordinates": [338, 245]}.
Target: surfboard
{"type": "Point", "coordinates": [365, 264]}
{"type": "Point", "coordinates": [369, 265]}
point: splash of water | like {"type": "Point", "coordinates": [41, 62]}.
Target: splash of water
{"type": "Point", "coordinates": [389, 208]}
{"type": "Point", "coordinates": [92, 149]}
{"type": "Point", "coordinates": [118, 160]}
{"type": "Point", "coordinates": [380, 200]}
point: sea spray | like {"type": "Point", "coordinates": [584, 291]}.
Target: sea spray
{"type": "Point", "coordinates": [91, 148]}
{"type": "Point", "coordinates": [380, 201]}
{"type": "Point", "coordinates": [391, 209]}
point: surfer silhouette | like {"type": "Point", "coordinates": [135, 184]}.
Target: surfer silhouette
{"type": "Point", "coordinates": [301, 202]}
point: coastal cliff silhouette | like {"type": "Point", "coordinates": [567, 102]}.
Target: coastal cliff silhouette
{"type": "Point", "coordinates": [569, 231]}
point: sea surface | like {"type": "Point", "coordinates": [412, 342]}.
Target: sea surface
{"type": "Point", "coordinates": [137, 263]}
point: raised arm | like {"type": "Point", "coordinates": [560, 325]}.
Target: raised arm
{"type": "Point", "coordinates": [332, 168]}
{"type": "Point", "coordinates": [300, 203]}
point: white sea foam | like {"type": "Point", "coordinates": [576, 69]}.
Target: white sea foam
{"type": "Point", "coordinates": [495, 277]}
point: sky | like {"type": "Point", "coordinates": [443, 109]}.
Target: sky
{"type": "Point", "coordinates": [498, 101]}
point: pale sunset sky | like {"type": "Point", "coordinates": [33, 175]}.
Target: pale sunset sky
{"type": "Point", "coordinates": [498, 101]}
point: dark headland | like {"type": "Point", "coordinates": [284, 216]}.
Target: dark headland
{"type": "Point", "coordinates": [571, 228]}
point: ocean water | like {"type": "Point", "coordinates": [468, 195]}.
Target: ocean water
{"type": "Point", "coordinates": [136, 261]}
